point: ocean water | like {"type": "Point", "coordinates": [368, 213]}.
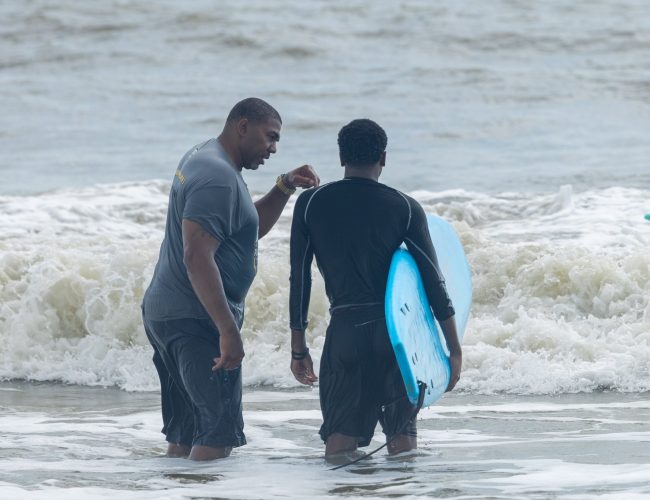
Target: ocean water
{"type": "Point", "coordinates": [90, 444]}
{"type": "Point", "coordinates": [523, 124]}
{"type": "Point", "coordinates": [494, 96]}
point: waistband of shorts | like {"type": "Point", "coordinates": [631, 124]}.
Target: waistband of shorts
{"type": "Point", "coordinates": [369, 307]}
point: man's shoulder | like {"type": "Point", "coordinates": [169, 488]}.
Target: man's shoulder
{"type": "Point", "coordinates": [211, 154]}
{"type": "Point", "coordinates": [411, 201]}
{"type": "Point", "coordinates": [321, 192]}
{"type": "Point", "coordinates": [307, 194]}
{"type": "Point", "coordinates": [207, 166]}
{"type": "Point", "coordinates": [391, 191]}
{"type": "Point", "coordinates": [329, 187]}
{"type": "Point", "coordinates": [324, 192]}
{"type": "Point", "coordinates": [303, 198]}
{"type": "Point", "coordinates": [415, 209]}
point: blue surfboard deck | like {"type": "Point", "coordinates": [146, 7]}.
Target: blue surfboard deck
{"type": "Point", "coordinates": [417, 340]}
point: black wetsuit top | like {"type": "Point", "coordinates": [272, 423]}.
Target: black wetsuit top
{"type": "Point", "coordinates": [353, 227]}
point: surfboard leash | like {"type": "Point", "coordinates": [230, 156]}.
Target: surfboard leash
{"type": "Point", "coordinates": [422, 386]}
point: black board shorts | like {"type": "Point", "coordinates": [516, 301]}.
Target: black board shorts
{"type": "Point", "coordinates": [199, 406]}
{"type": "Point", "coordinates": [360, 382]}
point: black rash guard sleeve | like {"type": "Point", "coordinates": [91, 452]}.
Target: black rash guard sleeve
{"type": "Point", "coordinates": [301, 256]}
{"type": "Point", "coordinates": [418, 242]}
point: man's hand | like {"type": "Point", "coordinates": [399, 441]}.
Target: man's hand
{"type": "Point", "coordinates": [198, 256]}
{"type": "Point", "coordinates": [455, 352]}
{"type": "Point", "coordinates": [456, 361]}
{"type": "Point", "coordinates": [232, 350]}
{"type": "Point", "coordinates": [303, 370]}
{"type": "Point", "coordinates": [303, 177]}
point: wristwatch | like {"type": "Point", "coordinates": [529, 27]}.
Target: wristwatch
{"type": "Point", "coordinates": [284, 186]}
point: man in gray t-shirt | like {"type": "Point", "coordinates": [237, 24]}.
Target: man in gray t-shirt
{"type": "Point", "coordinates": [193, 309]}
{"type": "Point", "coordinates": [209, 190]}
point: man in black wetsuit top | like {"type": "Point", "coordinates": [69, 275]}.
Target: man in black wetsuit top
{"type": "Point", "coordinates": [352, 227]}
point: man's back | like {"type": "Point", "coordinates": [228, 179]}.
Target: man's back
{"type": "Point", "coordinates": [353, 227]}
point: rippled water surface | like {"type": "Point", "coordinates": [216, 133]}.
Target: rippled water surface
{"type": "Point", "coordinates": [492, 96]}
{"type": "Point", "coordinates": [75, 442]}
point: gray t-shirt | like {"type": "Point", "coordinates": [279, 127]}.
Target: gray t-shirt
{"type": "Point", "coordinates": [210, 191]}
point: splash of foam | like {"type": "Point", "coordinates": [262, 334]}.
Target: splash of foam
{"type": "Point", "coordinates": [551, 313]}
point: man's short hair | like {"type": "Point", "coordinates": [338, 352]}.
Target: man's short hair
{"type": "Point", "coordinates": [255, 110]}
{"type": "Point", "coordinates": [361, 143]}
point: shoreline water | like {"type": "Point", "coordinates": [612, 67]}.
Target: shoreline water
{"type": "Point", "coordinates": [67, 441]}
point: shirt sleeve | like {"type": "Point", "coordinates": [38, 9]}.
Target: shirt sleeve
{"type": "Point", "coordinates": [301, 256]}
{"type": "Point", "coordinates": [418, 242]}
{"type": "Point", "coordinates": [212, 207]}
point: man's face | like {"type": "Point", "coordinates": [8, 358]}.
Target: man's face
{"type": "Point", "coordinates": [258, 142]}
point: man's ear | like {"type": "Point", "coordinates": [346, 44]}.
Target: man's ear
{"type": "Point", "coordinates": [382, 159]}
{"type": "Point", "coordinates": [242, 126]}
{"type": "Point", "coordinates": [342, 162]}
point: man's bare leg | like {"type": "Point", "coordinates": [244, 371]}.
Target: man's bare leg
{"type": "Point", "coordinates": [340, 443]}
{"type": "Point", "coordinates": [402, 443]}
{"type": "Point", "coordinates": [208, 452]}
{"type": "Point", "coordinates": [177, 450]}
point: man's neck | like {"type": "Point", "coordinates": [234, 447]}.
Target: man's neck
{"type": "Point", "coordinates": [230, 149]}
{"type": "Point", "coordinates": [371, 173]}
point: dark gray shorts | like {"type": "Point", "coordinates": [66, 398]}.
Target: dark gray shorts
{"type": "Point", "coordinates": [199, 406]}
{"type": "Point", "coordinates": [360, 382]}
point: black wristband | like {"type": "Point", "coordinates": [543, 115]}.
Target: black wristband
{"type": "Point", "coordinates": [300, 355]}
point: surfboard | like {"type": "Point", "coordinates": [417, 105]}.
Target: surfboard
{"type": "Point", "coordinates": [417, 339]}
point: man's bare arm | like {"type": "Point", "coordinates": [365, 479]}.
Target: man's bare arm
{"type": "Point", "coordinates": [199, 248]}
{"type": "Point", "coordinates": [270, 206]}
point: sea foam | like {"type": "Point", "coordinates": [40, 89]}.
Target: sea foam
{"type": "Point", "coordinates": [561, 287]}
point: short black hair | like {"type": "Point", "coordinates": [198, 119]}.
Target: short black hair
{"type": "Point", "coordinates": [361, 143]}
{"type": "Point", "coordinates": [255, 109]}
